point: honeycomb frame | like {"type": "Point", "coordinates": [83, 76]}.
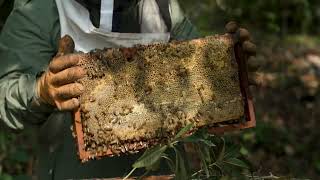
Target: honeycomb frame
{"type": "Point", "coordinates": [119, 57]}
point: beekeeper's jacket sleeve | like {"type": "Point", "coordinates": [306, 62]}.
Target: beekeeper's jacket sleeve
{"type": "Point", "coordinates": [27, 43]}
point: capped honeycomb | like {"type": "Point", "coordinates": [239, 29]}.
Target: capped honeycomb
{"type": "Point", "coordinates": [138, 97]}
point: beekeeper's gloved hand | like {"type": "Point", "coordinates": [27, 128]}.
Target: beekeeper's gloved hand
{"type": "Point", "coordinates": [242, 36]}
{"type": "Point", "coordinates": [57, 86]}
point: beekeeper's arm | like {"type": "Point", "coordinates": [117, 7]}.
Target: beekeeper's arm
{"type": "Point", "coordinates": [29, 89]}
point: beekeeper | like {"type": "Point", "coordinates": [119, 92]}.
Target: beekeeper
{"type": "Point", "coordinates": [38, 91]}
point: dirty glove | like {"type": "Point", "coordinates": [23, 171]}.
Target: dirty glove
{"type": "Point", "coordinates": [57, 86]}
{"type": "Point", "coordinates": [242, 37]}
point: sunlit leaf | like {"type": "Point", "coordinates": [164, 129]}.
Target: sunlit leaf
{"type": "Point", "coordinates": [183, 131]}
{"type": "Point", "coordinates": [199, 136]}
{"type": "Point", "coordinates": [244, 151]}
{"type": "Point", "coordinates": [155, 166]}
{"type": "Point", "coordinates": [216, 169]}
{"type": "Point", "coordinates": [207, 142]}
{"type": "Point", "coordinates": [150, 157]}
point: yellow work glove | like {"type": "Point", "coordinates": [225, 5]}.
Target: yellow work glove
{"type": "Point", "coordinates": [57, 86]}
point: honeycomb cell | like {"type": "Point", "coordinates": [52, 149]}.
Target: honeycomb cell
{"type": "Point", "coordinates": [138, 97]}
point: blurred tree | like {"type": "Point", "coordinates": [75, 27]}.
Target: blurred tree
{"type": "Point", "coordinates": [273, 16]}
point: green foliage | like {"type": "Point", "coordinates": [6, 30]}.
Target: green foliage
{"type": "Point", "coordinates": [5, 177]}
{"type": "Point", "coordinates": [274, 16]}
{"type": "Point", "coordinates": [150, 157]}
{"type": "Point", "coordinates": [180, 166]}
{"type": "Point", "coordinates": [216, 160]}
{"type": "Point", "coordinates": [183, 131]}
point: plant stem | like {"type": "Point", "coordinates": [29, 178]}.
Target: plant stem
{"type": "Point", "coordinates": [271, 176]}
{"type": "Point", "coordinates": [129, 174]}
{"type": "Point", "coordinates": [201, 170]}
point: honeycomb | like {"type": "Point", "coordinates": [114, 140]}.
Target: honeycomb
{"type": "Point", "coordinates": [141, 96]}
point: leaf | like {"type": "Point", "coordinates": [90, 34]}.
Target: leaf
{"type": "Point", "coordinates": [204, 133]}
{"type": "Point", "coordinates": [169, 162]}
{"type": "Point", "coordinates": [191, 139]}
{"type": "Point", "coordinates": [207, 142]}
{"type": "Point", "coordinates": [183, 131]}
{"type": "Point", "coordinates": [150, 157]}
{"type": "Point", "coordinates": [204, 159]}
{"type": "Point", "coordinates": [237, 162]}
{"type": "Point", "coordinates": [216, 169]}
{"type": "Point", "coordinates": [205, 150]}
{"type": "Point", "coordinates": [180, 171]}
{"type": "Point", "coordinates": [20, 156]}
{"type": "Point", "coordinates": [195, 138]}
{"type": "Point", "coordinates": [222, 152]}
{"type": "Point", "coordinates": [233, 152]}
{"type": "Point", "coordinates": [155, 166]}
{"type": "Point", "coordinates": [244, 151]}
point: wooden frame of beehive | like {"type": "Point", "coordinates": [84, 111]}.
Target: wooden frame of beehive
{"type": "Point", "coordinates": [131, 55]}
